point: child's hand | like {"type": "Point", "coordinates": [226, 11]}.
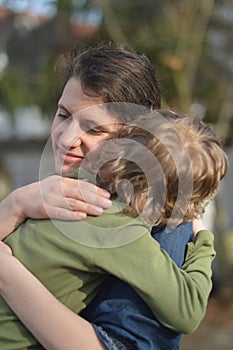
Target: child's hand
{"type": "Point", "coordinates": [5, 248]}
{"type": "Point", "coordinates": [198, 225]}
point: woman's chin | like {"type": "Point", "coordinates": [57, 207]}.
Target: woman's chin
{"type": "Point", "coordinates": [66, 169]}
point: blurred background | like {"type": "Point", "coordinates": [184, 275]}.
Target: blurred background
{"type": "Point", "coordinates": [190, 44]}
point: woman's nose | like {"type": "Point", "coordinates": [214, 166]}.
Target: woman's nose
{"type": "Point", "coordinates": [70, 136]}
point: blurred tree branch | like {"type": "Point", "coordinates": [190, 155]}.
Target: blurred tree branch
{"type": "Point", "coordinates": [188, 42]}
{"type": "Point", "coordinates": [112, 22]}
{"type": "Point", "coordinates": [189, 22]}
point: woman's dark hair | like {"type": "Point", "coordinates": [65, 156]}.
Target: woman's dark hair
{"type": "Point", "coordinates": [115, 72]}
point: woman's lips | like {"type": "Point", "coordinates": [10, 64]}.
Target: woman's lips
{"type": "Point", "coordinates": [70, 157]}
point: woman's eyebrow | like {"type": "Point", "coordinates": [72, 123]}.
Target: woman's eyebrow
{"type": "Point", "coordinates": [60, 105]}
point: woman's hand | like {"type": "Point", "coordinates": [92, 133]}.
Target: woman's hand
{"type": "Point", "coordinates": [198, 225]}
{"type": "Point", "coordinates": [5, 248]}
{"type": "Point", "coordinates": [54, 197]}
{"type": "Point", "coordinates": [63, 198]}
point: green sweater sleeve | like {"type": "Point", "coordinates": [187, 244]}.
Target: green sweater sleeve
{"type": "Point", "coordinates": [177, 297]}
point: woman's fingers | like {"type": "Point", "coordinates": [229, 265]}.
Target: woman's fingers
{"type": "Point", "coordinates": [5, 248]}
{"type": "Point", "coordinates": [198, 225]}
{"type": "Point", "coordinates": [71, 209]}
{"type": "Point", "coordinates": [54, 197]}
{"type": "Point", "coordinates": [62, 198]}
{"type": "Point", "coordinates": [70, 199]}
{"type": "Point", "coordinates": [65, 214]}
{"type": "Point", "coordinates": [88, 193]}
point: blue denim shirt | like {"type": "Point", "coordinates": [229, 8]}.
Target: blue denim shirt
{"type": "Point", "coordinates": [123, 314]}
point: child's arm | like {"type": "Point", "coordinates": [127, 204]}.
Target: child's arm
{"type": "Point", "coordinates": [53, 324]}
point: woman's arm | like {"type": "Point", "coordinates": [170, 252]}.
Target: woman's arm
{"type": "Point", "coordinates": [55, 197]}
{"type": "Point", "coordinates": [177, 297]}
{"type": "Point", "coordinates": [54, 325]}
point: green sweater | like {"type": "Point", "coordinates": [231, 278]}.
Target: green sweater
{"type": "Point", "coordinates": [72, 259]}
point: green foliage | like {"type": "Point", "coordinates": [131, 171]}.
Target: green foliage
{"type": "Point", "coordinates": [15, 90]}
{"type": "Point", "coordinates": [188, 42]}
{"type": "Point", "coordinates": [49, 86]}
{"type": "Point", "coordinates": [190, 46]}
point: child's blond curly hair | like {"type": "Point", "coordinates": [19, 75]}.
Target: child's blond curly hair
{"type": "Point", "coordinates": [173, 163]}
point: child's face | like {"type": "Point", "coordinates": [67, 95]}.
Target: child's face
{"type": "Point", "coordinates": [80, 124]}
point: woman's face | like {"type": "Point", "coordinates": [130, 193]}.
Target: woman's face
{"type": "Point", "coordinates": [80, 124]}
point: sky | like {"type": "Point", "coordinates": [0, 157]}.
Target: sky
{"type": "Point", "coordinates": [41, 7]}
{"type": "Point", "coordinates": [46, 8]}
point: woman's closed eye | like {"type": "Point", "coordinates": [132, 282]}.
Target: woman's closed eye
{"type": "Point", "coordinates": [63, 115]}
{"type": "Point", "coordinates": [94, 131]}
{"type": "Point", "coordinates": [91, 128]}
{"type": "Point", "coordinates": [62, 112]}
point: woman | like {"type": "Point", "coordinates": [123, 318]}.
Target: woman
{"type": "Point", "coordinates": [83, 97]}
